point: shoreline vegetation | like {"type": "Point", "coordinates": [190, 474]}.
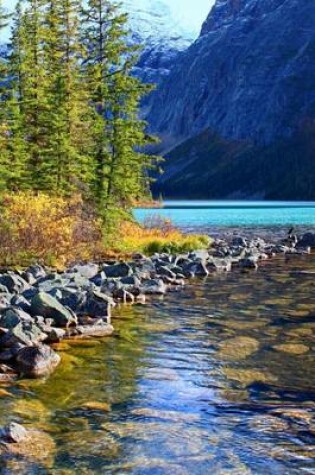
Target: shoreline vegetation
{"type": "Point", "coordinates": [58, 232]}
{"type": "Point", "coordinates": [149, 204]}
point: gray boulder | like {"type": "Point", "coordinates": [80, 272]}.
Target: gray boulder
{"type": "Point", "coordinates": [21, 302]}
{"type": "Point", "coordinates": [201, 255]}
{"type": "Point", "coordinates": [165, 271]}
{"type": "Point", "coordinates": [196, 268]}
{"type": "Point", "coordinates": [17, 327]}
{"type": "Point", "coordinates": [117, 270]}
{"type": "Point", "coordinates": [87, 270]}
{"type": "Point", "coordinates": [101, 329]}
{"type": "Point", "coordinates": [50, 285]}
{"type": "Point", "coordinates": [4, 289]}
{"type": "Point", "coordinates": [248, 263]}
{"type": "Point", "coordinates": [220, 265]}
{"type": "Point", "coordinates": [47, 306]}
{"type": "Point", "coordinates": [29, 278]}
{"type": "Point", "coordinates": [72, 298]}
{"type": "Point", "coordinates": [11, 316]}
{"type": "Point", "coordinates": [239, 241]}
{"type": "Point", "coordinates": [56, 335]}
{"type": "Point", "coordinates": [153, 286]}
{"type": "Point", "coordinates": [37, 271]}
{"type": "Point", "coordinates": [307, 240]}
{"type": "Point", "coordinates": [97, 304]}
{"type": "Point", "coordinates": [14, 283]}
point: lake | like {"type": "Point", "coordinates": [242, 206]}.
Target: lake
{"type": "Point", "coordinates": [218, 379]}
{"type": "Point", "coordinates": [217, 214]}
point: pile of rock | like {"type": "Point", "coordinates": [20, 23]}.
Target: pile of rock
{"type": "Point", "coordinates": [39, 307]}
{"type": "Point", "coordinates": [247, 253]}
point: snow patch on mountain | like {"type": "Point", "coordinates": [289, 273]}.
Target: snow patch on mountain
{"type": "Point", "coordinates": [154, 26]}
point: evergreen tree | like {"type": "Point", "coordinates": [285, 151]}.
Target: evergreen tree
{"type": "Point", "coordinates": [118, 133]}
{"type": "Point", "coordinates": [17, 146]}
{"type": "Point", "coordinates": [33, 86]}
{"type": "Point", "coordinates": [68, 106]}
{"type": "Point", "coordinates": [4, 131]}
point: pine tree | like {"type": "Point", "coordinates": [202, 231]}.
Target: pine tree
{"type": "Point", "coordinates": [17, 147]}
{"type": "Point", "coordinates": [4, 129]}
{"type": "Point", "coordinates": [68, 109]}
{"type": "Point", "coordinates": [33, 101]}
{"type": "Point", "coordinates": [120, 175]}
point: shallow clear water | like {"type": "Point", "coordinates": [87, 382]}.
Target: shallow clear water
{"type": "Point", "coordinates": [218, 379]}
{"type": "Point", "coordinates": [233, 213]}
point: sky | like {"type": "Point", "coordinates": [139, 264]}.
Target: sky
{"type": "Point", "coordinates": [191, 13]}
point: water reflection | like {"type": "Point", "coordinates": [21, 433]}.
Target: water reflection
{"type": "Point", "coordinates": [218, 379]}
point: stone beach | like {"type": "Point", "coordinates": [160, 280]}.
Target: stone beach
{"type": "Point", "coordinates": [39, 307]}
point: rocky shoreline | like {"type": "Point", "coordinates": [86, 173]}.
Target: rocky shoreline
{"type": "Point", "coordinates": [40, 307]}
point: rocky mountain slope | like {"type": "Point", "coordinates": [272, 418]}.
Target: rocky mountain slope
{"type": "Point", "coordinates": [237, 111]}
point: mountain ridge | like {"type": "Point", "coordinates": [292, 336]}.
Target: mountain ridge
{"type": "Point", "coordinates": [249, 77]}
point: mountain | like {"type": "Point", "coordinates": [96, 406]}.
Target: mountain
{"type": "Point", "coordinates": [157, 29]}
{"type": "Point", "coordinates": [162, 36]}
{"type": "Point", "coordinates": [236, 114]}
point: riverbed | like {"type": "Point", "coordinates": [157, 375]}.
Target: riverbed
{"type": "Point", "coordinates": [217, 379]}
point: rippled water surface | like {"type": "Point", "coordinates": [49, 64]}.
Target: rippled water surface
{"type": "Point", "coordinates": [218, 379]}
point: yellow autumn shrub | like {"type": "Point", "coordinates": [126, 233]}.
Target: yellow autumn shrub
{"type": "Point", "coordinates": [48, 229]}
{"type": "Point", "coordinates": [56, 231]}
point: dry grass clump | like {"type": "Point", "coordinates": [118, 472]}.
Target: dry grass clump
{"type": "Point", "coordinates": [157, 235]}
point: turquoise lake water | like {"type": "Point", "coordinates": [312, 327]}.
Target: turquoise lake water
{"type": "Point", "coordinates": [232, 213]}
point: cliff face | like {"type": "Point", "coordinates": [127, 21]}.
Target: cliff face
{"type": "Point", "coordinates": [249, 78]}
{"type": "Point", "coordinates": [249, 75]}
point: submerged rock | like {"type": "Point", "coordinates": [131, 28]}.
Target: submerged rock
{"type": "Point", "coordinates": [13, 433]}
{"type": "Point", "coordinates": [97, 406]}
{"type": "Point", "coordinates": [238, 348]}
{"type": "Point", "coordinates": [292, 348]}
{"type": "Point", "coordinates": [19, 445]}
{"type": "Point", "coordinates": [37, 362]}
